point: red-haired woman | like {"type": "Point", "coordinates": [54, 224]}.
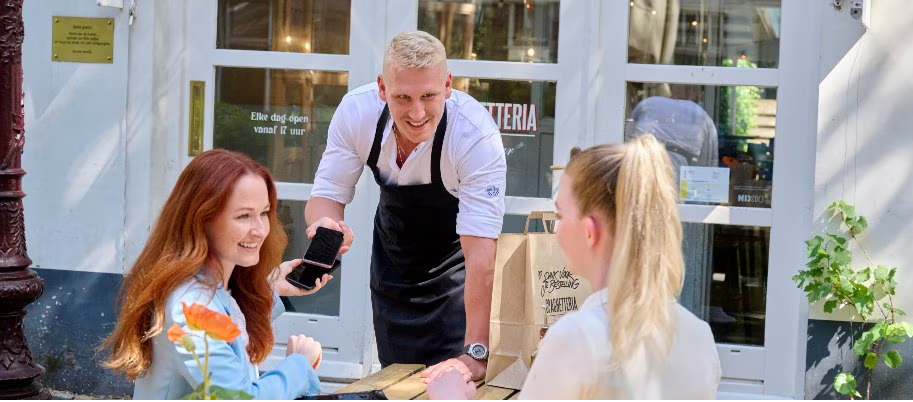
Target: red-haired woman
{"type": "Point", "coordinates": [218, 243]}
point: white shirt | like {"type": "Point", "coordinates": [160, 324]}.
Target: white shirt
{"type": "Point", "coordinates": [473, 167]}
{"type": "Point", "coordinates": [573, 361]}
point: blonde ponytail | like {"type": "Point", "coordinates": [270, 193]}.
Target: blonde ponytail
{"type": "Point", "coordinates": [637, 192]}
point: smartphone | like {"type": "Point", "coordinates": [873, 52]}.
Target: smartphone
{"type": "Point", "coordinates": [319, 259]}
{"type": "Point", "coordinates": [305, 275]}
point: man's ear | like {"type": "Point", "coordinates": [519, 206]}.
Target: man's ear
{"type": "Point", "coordinates": [448, 85]}
{"type": "Point", "coordinates": [381, 89]}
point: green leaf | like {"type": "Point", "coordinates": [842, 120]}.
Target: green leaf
{"type": "Point", "coordinates": [195, 395]}
{"type": "Point", "coordinates": [907, 328]}
{"type": "Point", "coordinates": [845, 384]}
{"type": "Point", "coordinates": [859, 225]}
{"type": "Point", "coordinates": [893, 359]}
{"type": "Point", "coordinates": [837, 238]}
{"type": "Point", "coordinates": [225, 393]}
{"type": "Point", "coordinates": [842, 256]}
{"type": "Point", "coordinates": [881, 273]}
{"type": "Point", "coordinates": [871, 359]}
{"type": "Point", "coordinates": [829, 306]}
{"type": "Point", "coordinates": [864, 275]}
{"type": "Point", "coordinates": [813, 245]}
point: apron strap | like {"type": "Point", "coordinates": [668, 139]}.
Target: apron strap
{"type": "Point", "coordinates": [436, 146]}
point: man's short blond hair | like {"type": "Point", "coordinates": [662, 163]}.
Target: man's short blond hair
{"type": "Point", "coordinates": [415, 50]}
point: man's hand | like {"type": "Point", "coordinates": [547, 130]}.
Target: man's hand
{"type": "Point", "coordinates": [277, 280]}
{"type": "Point", "coordinates": [471, 368]}
{"type": "Point", "coordinates": [347, 235]}
{"type": "Point", "coordinates": [451, 385]}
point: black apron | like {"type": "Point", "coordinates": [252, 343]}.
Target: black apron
{"type": "Point", "coordinates": [417, 266]}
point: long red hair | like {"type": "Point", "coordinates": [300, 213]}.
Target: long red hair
{"type": "Point", "coordinates": [176, 251]}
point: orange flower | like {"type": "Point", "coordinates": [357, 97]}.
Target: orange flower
{"type": "Point", "coordinates": [175, 333]}
{"type": "Point", "coordinates": [216, 325]}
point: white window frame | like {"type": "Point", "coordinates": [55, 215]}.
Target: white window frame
{"type": "Point", "coordinates": [777, 368]}
{"type": "Point", "coordinates": [346, 337]}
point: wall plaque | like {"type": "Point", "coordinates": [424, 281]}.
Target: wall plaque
{"type": "Point", "coordinates": [82, 40]}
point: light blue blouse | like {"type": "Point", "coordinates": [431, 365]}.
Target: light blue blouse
{"type": "Point", "coordinates": [174, 373]}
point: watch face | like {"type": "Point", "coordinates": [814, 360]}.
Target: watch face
{"type": "Point", "coordinates": [477, 351]}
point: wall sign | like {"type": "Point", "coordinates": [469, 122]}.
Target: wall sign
{"type": "Point", "coordinates": [82, 40]}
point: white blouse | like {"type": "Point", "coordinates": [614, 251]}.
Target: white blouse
{"type": "Point", "coordinates": [573, 361]}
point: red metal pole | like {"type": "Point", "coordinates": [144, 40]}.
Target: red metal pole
{"type": "Point", "coordinates": [19, 285]}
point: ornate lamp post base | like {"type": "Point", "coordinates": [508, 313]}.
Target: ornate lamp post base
{"type": "Point", "coordinates": [19, 285]}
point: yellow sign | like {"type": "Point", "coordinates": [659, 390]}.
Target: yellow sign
{"type": "Point", "coordinates": [82, 40]}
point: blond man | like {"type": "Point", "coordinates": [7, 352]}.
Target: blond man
{"type": "Point", "coordinates": [437, 156]}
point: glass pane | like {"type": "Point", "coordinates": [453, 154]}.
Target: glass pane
{"type": "Point", "coordinates": [279, 118]}
{"type": "Point", "coordinates": [325, 301]}
{"type": "Point", "coordinates": [726, 279]}
{"type": "Point", "coordinates": [731, 33]}
{"type": "Point", "coordinates": [720, 138]}
{"type": "Point", "coordinates": [302, 26]}
{"type": "Point", "coordinates": [499, 30]}
{"type": "Point", "coordinates": [525, 113]}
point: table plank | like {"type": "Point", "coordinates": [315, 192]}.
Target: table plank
{"type": "Point", "coordinates": [384, 378]}
{"type": "Point", "coordinates": [408, 388]}
{"type": "Point", "coordinates": [491, 392]}
{"type": "Point", "coordinates": [424, 395]}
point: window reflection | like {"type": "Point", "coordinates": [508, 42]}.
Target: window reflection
{"type": "Point", "coordinates": [499, 30]}
{"type": "Point", "coordinates": [704, 33]}
{"type": "Point", "coordinates": [525, 114]}
{"type": "Point", "coordinates": [726, 279]}
{"type": "Point", "coordinates": [279, 118]}
{"type": "Point", "coordinates": [720, 138]}
{"type": "Point", "coordinates": [303, 26]}
{"type": "Point", "coordinates": [324, 302]}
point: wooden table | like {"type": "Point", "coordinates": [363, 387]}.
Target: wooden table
{"type": "Point", "coordinates": [404, 381]}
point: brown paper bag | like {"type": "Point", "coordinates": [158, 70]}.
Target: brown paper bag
{"type": "Point", "coordinates": [532, 288]}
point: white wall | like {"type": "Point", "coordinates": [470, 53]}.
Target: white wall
{"type": "Point", "coordinates": [865, 133]}
{"type": "Point", "coordinates": [75, 145]}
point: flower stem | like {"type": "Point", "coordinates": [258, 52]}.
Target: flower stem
{"type": "Point", "coordinates": [206, 376]}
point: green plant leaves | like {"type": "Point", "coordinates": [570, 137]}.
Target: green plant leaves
{"type": "Point", "coordinates": [871, 359]}
{"type": "Point", "coordinates": [225, 393]}
{"type": "Point", "coordinates": [893, 359]}
{"type": "Point", "coordinates": [845, 384]}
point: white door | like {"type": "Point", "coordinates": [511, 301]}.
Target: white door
{"type": "Point", "coordinates": [272, 74]}
{"type": "Point", "coordinates": [743, 66]}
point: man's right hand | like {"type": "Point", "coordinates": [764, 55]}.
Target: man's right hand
{"type": "Point", "coordinates": [347, 235]}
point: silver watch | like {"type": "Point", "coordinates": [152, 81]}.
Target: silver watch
{"type": "Point", "coordinates": [476, 351]}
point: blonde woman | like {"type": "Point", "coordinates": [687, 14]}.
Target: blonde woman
{"type": "Point", "coordinates": [619, 227]}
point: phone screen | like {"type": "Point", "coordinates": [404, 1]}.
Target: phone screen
{"type": "Point", "coordinates": [305, 275]}
{"type": "Point", "coordinates": [324, 247]}
{"type": "Point", "coordinates": [319, 259]}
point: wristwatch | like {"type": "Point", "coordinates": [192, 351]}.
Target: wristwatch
{"type": "Point", "coordinates": [476, 351]}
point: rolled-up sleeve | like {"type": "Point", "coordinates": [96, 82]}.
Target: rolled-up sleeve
{"type": "Point", "coordinates": [482, 171]}
{"type": "Point", "coordinates": [340, 166]}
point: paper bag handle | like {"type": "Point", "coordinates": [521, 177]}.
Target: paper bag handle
{"type": "Point", "coordinates": [545, 217]}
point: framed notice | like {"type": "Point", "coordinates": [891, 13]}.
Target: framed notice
{"type": "Point", "coordinates": [704, 184]}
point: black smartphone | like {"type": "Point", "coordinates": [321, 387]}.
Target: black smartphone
{"type": "Point", "coordinates": [305, 275]}
{"type": "Point", "coordinates": [319, 259]}
{"type": "Point", "coordinates": [324, 247]}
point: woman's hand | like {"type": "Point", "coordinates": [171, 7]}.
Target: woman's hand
{"type": "Point", "coordinates": [451, 385]}
{"type": "Point", "coordinates": [306, 346]}
{"type": "Point", "coordinates": [281, 285]}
